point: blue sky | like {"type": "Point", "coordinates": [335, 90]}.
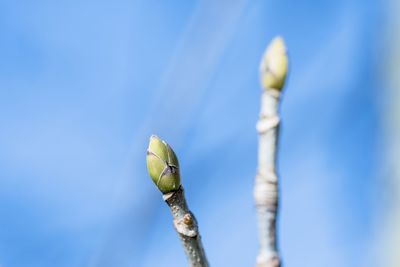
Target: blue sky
{"type": "Point", "coordinates": [83, 84]}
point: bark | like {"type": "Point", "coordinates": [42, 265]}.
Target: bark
{"type": "Point", "coordinates": [186, 226]}
{"type": "Point", "coordinates": [266, 183]}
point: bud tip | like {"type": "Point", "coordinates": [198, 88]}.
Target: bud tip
{"type": "Point", "coordinates": [163, 165]}
{"type": "Point", "coordinates": [274, 65]}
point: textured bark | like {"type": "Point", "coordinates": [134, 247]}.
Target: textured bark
{"type": "Point", "coordinates": [186, 226]}
{"type": "Point", "coordinates": [266, 182]}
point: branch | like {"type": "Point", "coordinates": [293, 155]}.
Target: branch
{"type": "Point", "coordinates": [273, 71]}
{"type": "Point", "coordinates": [163, 167]}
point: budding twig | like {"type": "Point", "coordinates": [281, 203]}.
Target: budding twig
{"type": "Point", "coordinates": [273, 71]}
{"type": "Point", "coordinates": [163, 167]}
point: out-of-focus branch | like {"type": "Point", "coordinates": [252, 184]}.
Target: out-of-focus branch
{"type": "Point", "coordinates": [273, 70]}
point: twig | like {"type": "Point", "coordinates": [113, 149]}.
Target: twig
{"type": "Point", "coordinates": [186, 225]}
{"type": "Point", "coordinates": [273, 71]}
{"type": "Point", "coordinates": [163, 167]}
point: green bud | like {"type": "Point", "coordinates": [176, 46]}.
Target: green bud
{"type": "Point", "coordinates": [163, 165]}
{"type": "Point", "coordinates": [274, 65]}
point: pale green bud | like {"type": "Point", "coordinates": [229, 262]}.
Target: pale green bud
{"type": "Point", "coordinates": [163, 165]}
{"type": "Point", "coordinates": [274, 65]}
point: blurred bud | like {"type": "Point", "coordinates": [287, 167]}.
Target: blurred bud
{"type": "Point", "coordinates": [163, 165]}
{"type": "Point", "coordinates": [274, 65]}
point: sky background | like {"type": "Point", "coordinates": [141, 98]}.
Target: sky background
{"type": "Point", "coordinates": [83, 84]}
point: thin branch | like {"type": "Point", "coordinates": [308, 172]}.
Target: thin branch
{"type": "Point", "coordinates": [163, 167]}
{"type": "Point", "coordinates": [266, 194]}
{"type": "Point", "coordinates": [186, 226]}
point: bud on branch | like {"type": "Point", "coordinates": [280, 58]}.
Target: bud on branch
{"type": "Point", "coordinates": [163, 168]}
{"type": "Point", "coordinates": [274, 65]}
{"type": "Point", "coordinates": [273, 71]}
{"type": "Point", "coordinates": [163, 165]}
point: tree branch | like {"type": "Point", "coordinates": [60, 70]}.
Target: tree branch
{"type": "Point", "coordinates": [186, 226]}
{"type": "Point", "coordinates": [273, 71]}
{"type": "Point", "coordinates": [163, 167]}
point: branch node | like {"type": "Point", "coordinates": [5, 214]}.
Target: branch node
{"type": "Point", "coordinates": [267, 123]}
{"type": "Point", "coordinates": [186, 225]}
{"type": "Point", "coordinates": [268, 261]}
